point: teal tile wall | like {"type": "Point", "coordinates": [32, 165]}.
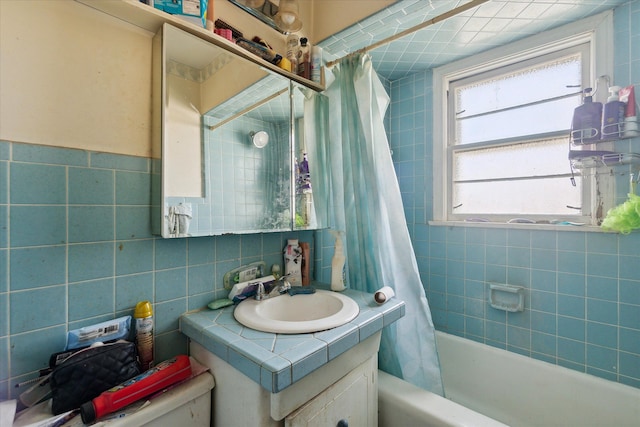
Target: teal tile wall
{"type": "Point", "coordinates": [241, 209]}
{"type": "Point", "coordinates": [76, 249]}
{"type": "Point", "coordinates": [582, 308]}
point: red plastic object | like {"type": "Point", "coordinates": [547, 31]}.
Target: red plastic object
{"type": "Point", "coordinates": [161, 376]}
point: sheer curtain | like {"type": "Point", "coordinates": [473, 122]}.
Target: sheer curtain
{"type": "Point", "coordinates": [367, 205]}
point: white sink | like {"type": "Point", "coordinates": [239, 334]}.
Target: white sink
{"type": "Point", "coordinates": [302, 313]}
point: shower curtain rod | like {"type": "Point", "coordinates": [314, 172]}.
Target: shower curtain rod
{"type": "Point", "coordinates": [249, 108]}
{"type": "Point", "coordinates": [441, 17]}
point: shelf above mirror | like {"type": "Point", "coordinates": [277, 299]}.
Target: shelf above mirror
{"type": "Point", "coordinates": [151, 19]}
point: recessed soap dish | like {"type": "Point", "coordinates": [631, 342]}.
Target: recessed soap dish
{"type": "Point", "coordinates": [506, 297]}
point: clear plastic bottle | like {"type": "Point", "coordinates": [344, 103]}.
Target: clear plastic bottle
{"type": "Point", "coordinates": [292, 51]}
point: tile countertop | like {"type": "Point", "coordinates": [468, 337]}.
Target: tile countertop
{"type": "Point", "coordinates": [275, 361]}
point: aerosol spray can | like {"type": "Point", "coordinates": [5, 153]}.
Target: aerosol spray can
{"type": "Point", "coordinates": [143, 315]}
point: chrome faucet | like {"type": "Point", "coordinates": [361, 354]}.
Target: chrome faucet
{"type": "Point", "coordinates": [285, 285]}
{"type": "Point", "coordinates": [262, 294]}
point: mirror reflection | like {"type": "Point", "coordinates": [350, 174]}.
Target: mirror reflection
{"type": "Point", "coordinates": [248, 186]}
{"type": "Point", "coordinates": [235, 139]}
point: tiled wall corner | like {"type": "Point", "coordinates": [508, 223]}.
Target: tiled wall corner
{"type": "Point", "coordinates": [582, 306]}
{"type": "Point", "coordinates": [76, 248]}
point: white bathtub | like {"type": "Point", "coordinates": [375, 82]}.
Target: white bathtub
{"type": "Point", "coordinates": [516, 390]}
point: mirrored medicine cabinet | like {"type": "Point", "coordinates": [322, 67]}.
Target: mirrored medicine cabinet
{"type": "Point", "coordinates": [233, 135]}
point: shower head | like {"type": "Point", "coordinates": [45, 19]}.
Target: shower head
{"type": "Point", "coordinates": [259, 139]}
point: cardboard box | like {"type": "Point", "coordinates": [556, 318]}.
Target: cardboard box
{"type": "Point", "coordinates": [192, 10]}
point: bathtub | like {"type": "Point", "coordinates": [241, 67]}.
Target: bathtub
{"type": "Point", "coordinates": [489, 387]}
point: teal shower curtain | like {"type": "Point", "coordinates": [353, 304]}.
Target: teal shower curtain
{"type": "Point", "coordinates": [367, 205]}
{"type": "Point", "coordinates": [316, 112]}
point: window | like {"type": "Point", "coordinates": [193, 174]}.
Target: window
{"type": "Point", "coordinates": [501, 129]}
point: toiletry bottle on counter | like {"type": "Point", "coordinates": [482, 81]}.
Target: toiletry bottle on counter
{"type": "Point", "coordinates": [337, 264]}
{"type": "Point", "coordinates": [293, 262]}
{"type": "Point", "coordinates": [613, 115]}
{"type": "Point", "coordinates": [306, 263]}
{"type": "Point", "coordinates": [143, 315]}
{"type": "Point", "coordinates": [304, 59]}
{"type": "Point", "coordinates": [587, 120]}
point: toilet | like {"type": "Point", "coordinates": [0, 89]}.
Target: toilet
{"type": "Point", "coordinates": [187, 404]}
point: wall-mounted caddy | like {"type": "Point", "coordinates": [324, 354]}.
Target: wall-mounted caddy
{"type": "Point", "coordinates": [595, 123]}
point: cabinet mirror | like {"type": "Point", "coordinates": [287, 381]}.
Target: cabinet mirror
{"type": "Point", "coordinates": [233, 142]}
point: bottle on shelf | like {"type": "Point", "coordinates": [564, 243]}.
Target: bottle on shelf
{"type": "Point", "coordinates": [316, 64]}
{"type": "Point", "coordinates": [210, 25]}
{"type": "Point", "coordinates": [613, 115]}
{"type": "Point", "coordinates": [292, 51]}
{"type": "Point", "coordinates": [587, 120]}
{"type": "Point", "coordinates": [304, 59]}
{"type": "Point", "coordinates": [627, 95]}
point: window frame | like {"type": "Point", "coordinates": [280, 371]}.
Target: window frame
{"type": "Point", "coordinates": [596, 30]}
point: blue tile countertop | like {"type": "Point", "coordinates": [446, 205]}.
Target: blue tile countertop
{"type": "Point", "coordinates": [275, 361]}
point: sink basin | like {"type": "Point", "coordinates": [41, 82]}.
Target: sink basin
{"type": "Point", "coordinates": [297, 314]}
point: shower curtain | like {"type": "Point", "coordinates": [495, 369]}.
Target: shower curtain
{"type": "Point", "coordinates": [367, 206]}
{"type": "Point", "coordinates": [316, 113]}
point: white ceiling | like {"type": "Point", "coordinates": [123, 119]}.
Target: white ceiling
{"type": "Point", "coordinates": [489, 25]}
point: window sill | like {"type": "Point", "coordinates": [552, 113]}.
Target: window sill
{"type": "Point", "coordinates": [520, 226]}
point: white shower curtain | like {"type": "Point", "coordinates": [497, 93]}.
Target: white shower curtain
{"type": "Point", "coordinates": [367, 206]}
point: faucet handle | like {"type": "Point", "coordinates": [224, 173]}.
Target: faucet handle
{"type": "Point", "coordinates": [260, 293]}
{"type": "Point", "coordinates": [286, 285]}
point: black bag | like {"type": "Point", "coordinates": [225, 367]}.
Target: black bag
{"type": "Point", "coordinates": [89, 372]}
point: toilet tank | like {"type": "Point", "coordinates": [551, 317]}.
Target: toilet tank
{"type": "Point", "coordinates": [185, 405]}
{"type": "Point", "coordinates": [188, 404]}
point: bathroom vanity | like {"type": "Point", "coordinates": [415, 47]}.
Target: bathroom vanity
{"type": "Point", "coordinates": [269, 379]}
